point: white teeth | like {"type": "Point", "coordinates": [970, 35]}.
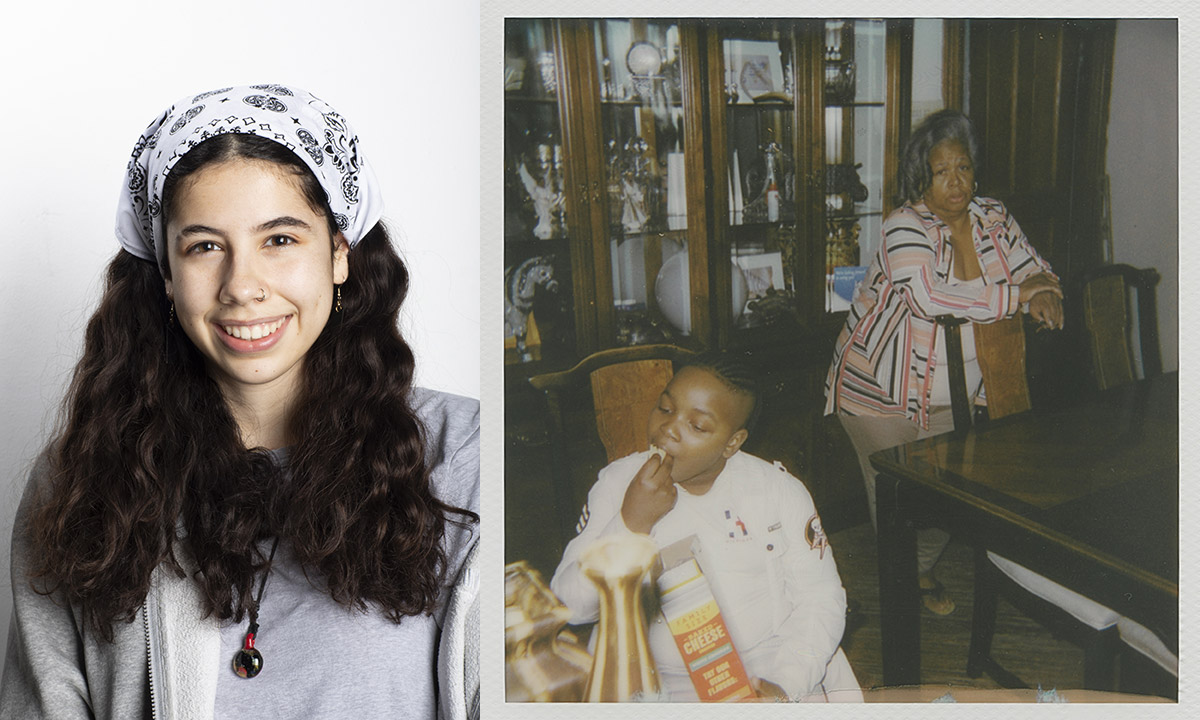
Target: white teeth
{"type": "Point", "coordinates": [252, 332]}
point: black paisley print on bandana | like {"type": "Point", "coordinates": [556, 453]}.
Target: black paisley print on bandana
{"type": "Point", "coordinates": [266, 102]}
{"type": "Point", "coordinates": [294, 118]}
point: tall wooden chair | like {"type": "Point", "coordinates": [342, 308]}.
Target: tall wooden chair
{"type": "Point", "coordinates": [1121, 317]}
{"type": "Point", "coordinates": [1000, 349]}
{"type": "Point", "coordinates": [1121, 321]}
{"type": "Point", "coordinates": [1120, 308]}
{"type": "Point", "coordinates": [622, 386]}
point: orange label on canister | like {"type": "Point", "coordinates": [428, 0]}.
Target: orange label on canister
{"type": "Point", "coordinates": [705, 645]}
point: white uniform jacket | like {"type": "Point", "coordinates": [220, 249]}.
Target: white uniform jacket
{"type": "Point", "coordinates": [765, 556]}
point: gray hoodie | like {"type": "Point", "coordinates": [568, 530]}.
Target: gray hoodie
{"type": "Point", "coordinates": [164, 663]}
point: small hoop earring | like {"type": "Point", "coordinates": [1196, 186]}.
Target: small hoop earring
{"type": "Point", "coordinates": [262, 295]}
{"type": "Point", "coordinates": [337, 307]}
{"type": "Point", "coordinates": [976, 187]}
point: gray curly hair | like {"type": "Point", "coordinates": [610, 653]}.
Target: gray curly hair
{"type": "Point", "coordinates": [914, 175]}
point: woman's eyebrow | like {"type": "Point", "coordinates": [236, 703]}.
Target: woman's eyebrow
{"type": "Point", "coordinates": [283, 221]}
{"type": "Point", "coordinates": [200, 230]}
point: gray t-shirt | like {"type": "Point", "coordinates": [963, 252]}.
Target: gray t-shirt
{"type": "Point", "coordinates": [322, 660]}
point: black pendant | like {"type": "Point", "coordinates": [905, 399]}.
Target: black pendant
{"type": "Point", "coordinates": [247, 662]}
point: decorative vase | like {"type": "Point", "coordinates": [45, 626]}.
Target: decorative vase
{"type": "Point", "coordinates": [672, 291]}
{"type": "Point", "coordinates": [623, 668]}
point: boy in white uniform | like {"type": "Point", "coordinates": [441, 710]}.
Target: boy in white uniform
{"type": "Point", "coordinates": [762, 547]}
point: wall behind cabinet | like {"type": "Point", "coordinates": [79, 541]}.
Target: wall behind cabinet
{"type": "Point", "coordinates": [1143, 162]}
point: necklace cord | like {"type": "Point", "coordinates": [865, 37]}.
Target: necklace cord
{"type": "Point", "coordinates": [262, 584]}
{"type": "Point", "coordinates": [247, 663]}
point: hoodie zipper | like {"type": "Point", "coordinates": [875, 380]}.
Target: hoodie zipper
{"type": "Point", "coordinates": [149, 656]}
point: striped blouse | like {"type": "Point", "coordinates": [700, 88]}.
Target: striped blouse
{"type": "Point", "coordinates": [884, 356]}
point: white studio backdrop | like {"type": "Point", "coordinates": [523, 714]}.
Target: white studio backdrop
{"type": "Point", "coordinates": [79, 81]}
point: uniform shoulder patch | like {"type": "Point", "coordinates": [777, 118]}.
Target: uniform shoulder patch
{"type": "Point", "coordinates": [815, 535]}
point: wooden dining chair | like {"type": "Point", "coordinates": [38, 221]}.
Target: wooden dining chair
{"type": "Point", "coordinates": [1000, 349]}
{"type": "Point", "coordinates": [621, 386]}
{"type": "Point", "coordinates": [1121, 317]}
{"type": "Point", "coordinates": [1119, 309]}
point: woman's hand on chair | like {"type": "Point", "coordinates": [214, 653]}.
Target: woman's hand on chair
{"type": "Point", "coordinates": [1035, 285]}
{"type": "Point", "coordinates": [650, 496]}
{"type": "Point", "coordinates": [1046, 308]}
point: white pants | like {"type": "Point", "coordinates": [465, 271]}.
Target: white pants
{"type": "Point", "coordinates": [872, 433]}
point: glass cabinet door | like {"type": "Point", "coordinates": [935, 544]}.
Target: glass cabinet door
{"type": "Point", "coordinates": [756, 154]}
{"type": "Point", "coordinates": [801, 133]}
{"type": "Point", "coordinates": [639, 80]}
{"type": "Point", "coordinates": [538, 314]}
{"type": "Point", "coordinates": [855, 139]}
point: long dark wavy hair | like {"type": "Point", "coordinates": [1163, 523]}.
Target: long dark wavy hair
{"type": "Point", "coordinates": [148, 445]}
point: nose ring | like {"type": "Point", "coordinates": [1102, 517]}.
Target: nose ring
{"type": "Point", "coordinates": [262, 295]}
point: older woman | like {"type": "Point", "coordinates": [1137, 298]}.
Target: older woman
{"type": "Point", "coordinates": [944, 252]}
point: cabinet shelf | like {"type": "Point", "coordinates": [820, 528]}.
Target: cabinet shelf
{"type": "Point", "coordinates": [513, 97]}
{"type": "Point", "coordinates": [857, 104]}
{"type": "Point", "coordinates": [773, 105]}
{"type": "Point", "coordinates": [853, 215]}
{"type": "Point", "coordinates": [673, 234]}
{"type": "Point", "coordinates": [524, 243]}
{"type": "Point", "coordinates": [636, 103]}
{"type": "Point", "coordinates": [758, 227]}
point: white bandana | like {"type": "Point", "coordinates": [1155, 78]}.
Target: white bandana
{"type": "Point", "coordinates": [294, 118]}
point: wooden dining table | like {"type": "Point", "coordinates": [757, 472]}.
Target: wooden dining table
{"type": "Point", "coordinates": [1087, 496]}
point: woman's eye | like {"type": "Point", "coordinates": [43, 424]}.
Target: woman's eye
{"type": "Point", "coordinates": [280, 241]}
{"type": "Point", "coordinates": [202, 247]}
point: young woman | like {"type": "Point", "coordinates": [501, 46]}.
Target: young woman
{"type": "Point", "coordinates": [248, 508]}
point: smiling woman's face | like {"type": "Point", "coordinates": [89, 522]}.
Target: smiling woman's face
{"type": "Point", "coordinates": [253, 269]}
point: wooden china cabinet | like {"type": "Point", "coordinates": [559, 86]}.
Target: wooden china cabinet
{"type": "Point", "coordinates": [708, 183]}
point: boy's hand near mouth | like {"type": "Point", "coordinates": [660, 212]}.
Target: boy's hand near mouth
{"type": "Point", "coordinates": [651, 494]}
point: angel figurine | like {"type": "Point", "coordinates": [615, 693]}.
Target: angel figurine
{"type": "Point", "coordinates": [544, 201]}
{"type": "Point", "coordinates": [633, 215]}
